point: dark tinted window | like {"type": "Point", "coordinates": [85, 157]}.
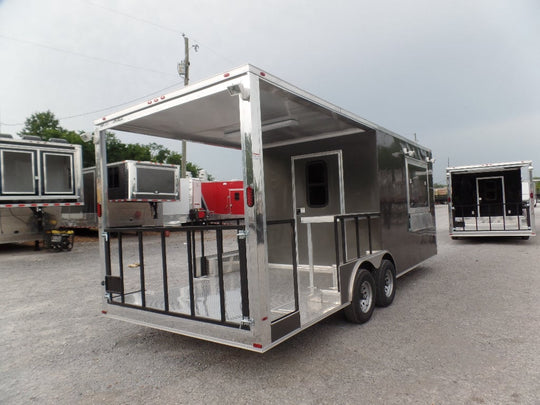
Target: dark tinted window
{"type": "Point", "coordinates": [317, 184]}
{"type": "Point", "coordinates": [114, 177]}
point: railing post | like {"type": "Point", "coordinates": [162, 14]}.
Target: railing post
{"type": "Point", "coordinates": [241, 238]}
{"type": "Point", "coordinates": [336, 240]}
{"type": "Point", "coordinates": [164, 272]}
{"type": "Point", "coordinates": [141, 269]}
{"type": "Point", "coordinates": [219, 243]}
{"type": "Point", "coordinates": [190, 274]}
{"type": "Point", "coordinates": [344, 241]}
{"type": "Point", "coordinates": [121, 265]}
{"type": "Point", "coordinates": [295, 265]}
{"type": "Point", "coordinates": [357, 236]}
{"type": "Point", "coordinates": [369, 234]}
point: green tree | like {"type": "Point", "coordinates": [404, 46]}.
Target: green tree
{"type": "Point", "coordinates": [43, 124]}
{"type": "Point", "coordinates": [46, 126]}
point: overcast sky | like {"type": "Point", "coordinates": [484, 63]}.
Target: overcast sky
{"type": "Point", "coordinates": [463, 75]}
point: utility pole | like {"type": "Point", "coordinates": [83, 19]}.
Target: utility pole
{"type": "Point", "coordinates": [183, 70]}
{"type": "Point", "coordinates": [186, 82]}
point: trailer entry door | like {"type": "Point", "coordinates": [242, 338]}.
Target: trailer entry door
{"type": "Point", "coordinates": [490, 196]}
{"type": "Point", "coordinates": [317, 198]}
{"type": "Point", "coordinates": [236, 201]}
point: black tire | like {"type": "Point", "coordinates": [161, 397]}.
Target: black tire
{"type": "Point", "coordinates": [363, 299]}
{"type": "Point", "coordinates": [385, 282]}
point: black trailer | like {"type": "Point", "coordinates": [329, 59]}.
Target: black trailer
{"type": "Point", "coordinates": [491, 200]}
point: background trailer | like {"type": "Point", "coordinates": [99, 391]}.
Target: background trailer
{"type": "Point", "coordinates": [37, 179]}
{"type": "Point", "coordinates": [136, 191]}
{"type": "Point", "coordinates": [491, 200]}
{"type": "Point", "coordinates": [335, 207]}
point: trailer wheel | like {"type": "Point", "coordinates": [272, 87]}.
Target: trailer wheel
{"type": "Point", "coordinates": [385, 281]}
{"type": "Point", "coordinates": [363, 299]}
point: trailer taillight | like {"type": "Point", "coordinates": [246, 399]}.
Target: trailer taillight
{"type": "Point", "coordinates": [532, 195]}
{"type": "Point", "coordinates": [250, 197]}
{"type": "Point", "coordinates": [98, 210]}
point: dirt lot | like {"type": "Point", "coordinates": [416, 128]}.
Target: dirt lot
{"type": "Point", "coordinates": [463, 329]}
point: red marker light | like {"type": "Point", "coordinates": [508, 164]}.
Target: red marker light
{"type": "Point", "coordinates": [99, 210]}
{"type": "Point", "coordinates": [263, 74]}
{"type": "Point", "coordinates": [226, 75]}
{"type": "Point", "coordinates": [257, 345]}
{"type": "Point", "coordinates": [250, 196]}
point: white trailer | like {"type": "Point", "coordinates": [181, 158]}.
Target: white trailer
{"type": "Point", "coordinates": [335, 208]}
{"type": "Point", "coordinates": [137, 192]}
{"type": "Point", "coordinates": [494, 199]}
{"type": "Point", "coordinates": [37, 179]}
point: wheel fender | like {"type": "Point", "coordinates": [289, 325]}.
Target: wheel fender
{"type": "Point", "coordinates": [370, 262]}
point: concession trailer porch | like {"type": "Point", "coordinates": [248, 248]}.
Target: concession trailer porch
{"type": "Point", "coordinates": [335, 208]}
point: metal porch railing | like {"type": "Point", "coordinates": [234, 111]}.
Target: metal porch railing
{"type": "Point", "coordinates": [491, 217]}
{"type": "Point", "coordinates": [340, 235]}
{"type": "Point", "coordinates": [196, 251]}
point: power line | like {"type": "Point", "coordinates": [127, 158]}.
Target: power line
{"type": "Point", "coordinates": [111, 10]}
{"type": "Point", "coordinates": [81, 54]}
{"type": "Point", "coordinates": [102, 109]}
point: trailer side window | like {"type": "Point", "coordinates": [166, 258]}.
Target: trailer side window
{"type": "Point", "coordinates": [317, 184]}
{"type": "Point", "coordinates": [113, 177]}
{"type": "Point", "coordinates": [57, 172]}
{"type": "Point", "coordinates": [418, 186]}
{"type": "Point", "coordinates": [17, 172]}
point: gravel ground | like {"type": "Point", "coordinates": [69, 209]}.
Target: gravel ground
{"type": "Point", "coordinates": [463, 329]}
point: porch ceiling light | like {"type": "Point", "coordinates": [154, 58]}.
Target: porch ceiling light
{"type": "Point", "coordinates": [268, 126]}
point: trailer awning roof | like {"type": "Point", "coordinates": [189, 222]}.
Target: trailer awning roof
{"type": "Point", "coordinates": [209, 114]}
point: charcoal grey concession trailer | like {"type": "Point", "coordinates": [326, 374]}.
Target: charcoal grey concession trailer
{"type": "Point", "coordinates": [37, 179]}
{"type": "Point", "coordinates": [493, 199]}
{"type": "Point", "coordinates": [335, 208]}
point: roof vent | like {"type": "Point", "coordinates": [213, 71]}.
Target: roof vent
{"type": "Point", "coordinates": [31, 138]}
{"type": "Point", "coordinates": [58, 140]}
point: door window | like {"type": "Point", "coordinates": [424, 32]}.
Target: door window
{"type": "Point", "coordinates": [317, 184]}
